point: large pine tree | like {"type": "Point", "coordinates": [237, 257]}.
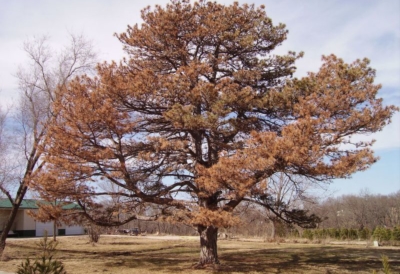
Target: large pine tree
{"type": "Point", "coordinates": [201, 114]}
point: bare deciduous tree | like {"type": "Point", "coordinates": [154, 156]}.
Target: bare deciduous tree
{"type": "Point", "coordinates": [361, 211]}
{"type": "Point", "coordinates": [289, 195]}
{"type": "Point", "coordinates": [40, 81]}
{"type": "Point", "coordinates": [3, 151]}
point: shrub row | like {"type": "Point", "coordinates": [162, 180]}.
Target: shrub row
{"type": "Point", "coordinates": [387, 234]}
{"type": "Point", "coordinates": [379, 233]}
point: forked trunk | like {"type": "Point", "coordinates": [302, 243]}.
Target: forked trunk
{"type": "Point", "coordinates": [208, 245]}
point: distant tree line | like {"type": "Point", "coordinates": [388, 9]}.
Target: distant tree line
{"type": "Point", "coordinates": [348, 217]}
{"type": "Point", "coordinates": [360, 211]}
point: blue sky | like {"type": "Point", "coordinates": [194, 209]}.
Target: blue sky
{"type": "Point", "coordinates": [350, 29]}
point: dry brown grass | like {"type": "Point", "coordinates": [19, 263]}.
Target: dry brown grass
{"type": "Point", "coordinates": [142, 255]}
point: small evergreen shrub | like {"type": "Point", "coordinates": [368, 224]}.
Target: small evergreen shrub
{"type": "Point", "coordinates": [386, 266]}
{"type": "Point", "coordinates": [47, 247]}
{"type": "Point", "coordinates": [344, 233]}
{"type": "Point", "coordinates": [352, 234]}
{"type": "Point", "coordinates": [382, 234]}
{"type": "Point", "coordinates": [45, 264]}
{"type": "Point", "coordinates": [396, 234]}
{"type": "Point", "coordinates": [334, 233]}
{"type": "Point", "coordinates": [364, 234]}
{"type": "Point", "coordinates": [308, 234]}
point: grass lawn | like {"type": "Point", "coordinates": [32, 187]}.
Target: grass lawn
{"type": "Point", "coordinates": [130, 254]}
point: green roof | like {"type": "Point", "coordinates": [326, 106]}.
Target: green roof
{"type": "Point", "coordinates": [33, 204]}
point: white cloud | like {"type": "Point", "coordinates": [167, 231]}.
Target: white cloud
{"type": "Point", "coordinates": [389, 137]}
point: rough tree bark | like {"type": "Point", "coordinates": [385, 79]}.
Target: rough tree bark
{"type": "Point", "coordinates": [208, 245]}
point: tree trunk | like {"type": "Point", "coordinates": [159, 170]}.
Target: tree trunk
{"type": "Point", "coordinates": [273, 231]}
{"type": "Point", "coordinates": [11, 218]}
{"type": "Point", "coordinates": [54, 230]}
{"type": "Point", "coordinates": [208, 245]}
{"type": "Point", "coordinates": [7, 228]}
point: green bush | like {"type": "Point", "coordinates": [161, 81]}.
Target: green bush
{"type": "Point", "coordinates": [386, 266]}
{"type": "Point", "coordinates": [334, 233]}
{"type": "Point", "coordinates": [321, 233]}
{"type": "Point", "coordinates": [396, 234]}
{"type": "Point", "coordinates": [388, 234]}
{"type": "Point", "coordinates": [364, 234]}
{"type": "Point", "coordinates": [308, 234]}
{"type": "Point", "coordinates": [344, 232]}
{"type": "Point", "coordinates": [379, 233]}
{"type": "Point", "coordinates": [317, 233]}
{"type": "Point", "coordinates": [352, 234]}
{"type": "Point", "coordinates": [382, 234]}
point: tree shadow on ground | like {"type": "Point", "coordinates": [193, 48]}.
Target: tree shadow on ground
{"type": "Point", "coordinates": [261, 258]}
{"type": "Point", "coordinates": [311, 259]}
{"type": "Point", "coordinates": [275, 260]}
{"type": "Point", "coordinates": [171, 260]}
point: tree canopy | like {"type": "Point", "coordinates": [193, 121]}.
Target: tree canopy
{"type": "Point", "coordinates": [201, 114]}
